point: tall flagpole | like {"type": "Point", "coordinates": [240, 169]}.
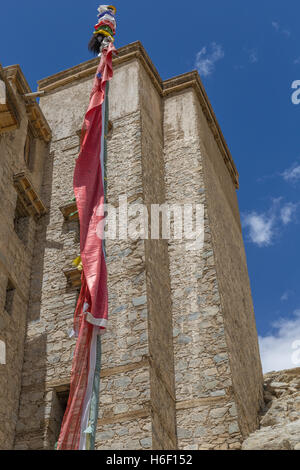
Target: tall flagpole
{"type": "Point", "coordinates": [78, 431]}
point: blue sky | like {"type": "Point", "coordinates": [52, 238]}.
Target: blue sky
{"type": "Point", "coordinates": [248, 56]}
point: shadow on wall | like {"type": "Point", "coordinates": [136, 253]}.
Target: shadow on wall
{"type": "Point", "coordinates": [58, 399]}
{"type": "Point", "coordinates": [31, 424]}
{"type": "Point", "coordinates": [41, 245]}
{"type": "Point", "coordinates": [34, 408]}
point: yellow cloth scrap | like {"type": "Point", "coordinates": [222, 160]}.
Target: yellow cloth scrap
{"type": "Point", "coordinates": [105, 33]}
{"type": "Point", "coordinates": [78, 263]}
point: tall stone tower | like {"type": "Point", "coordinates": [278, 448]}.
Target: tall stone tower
{"type": "Point", "coordinates": [181, 366]}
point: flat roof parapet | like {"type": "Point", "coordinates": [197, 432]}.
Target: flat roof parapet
{"type": "Point", "coordinates": [176, 84]}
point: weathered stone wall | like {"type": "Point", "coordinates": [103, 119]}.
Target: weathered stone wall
{"type": "Point", "coordinates": [232, 281]}
{"type": "Point", "coordinates": [126, 369]}
{"type": "Point", "coordinates": [124, 395]}
{"type": "Point", "coordinates": [15, 264]}
{"type": "Point", "coordinates": [163, 401]}
{"type": "Point", "coordinates": [48, 350]}
{"type": "Point", "coordinates": [203, 376]}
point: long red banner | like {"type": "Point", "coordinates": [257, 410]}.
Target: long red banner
{"type": "Point", "coordinates": [92, 306]}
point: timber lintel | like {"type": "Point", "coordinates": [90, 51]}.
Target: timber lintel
{"type": "Point", "coordinates": [39, 125]}
{"type": "Point", "coordinates": [69, 211]}
{"type": "Point", "coordinates": [73, 276]}
{"type": "Point", "coordinates": [28, 196]}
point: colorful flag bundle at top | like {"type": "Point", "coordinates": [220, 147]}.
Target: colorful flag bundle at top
{"type": "Point", "coordinates": [105, 29]}
{"type": "Point", "coordinates": [106, 21]}
{"type": "Point", "coordinates": [90, 320]}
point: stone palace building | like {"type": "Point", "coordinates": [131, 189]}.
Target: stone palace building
{"type": "Point", "coordinates": [181, 366]}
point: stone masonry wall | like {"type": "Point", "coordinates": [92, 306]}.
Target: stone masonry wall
{"type": "Point", "coordinates": [206, 409]}
{"type": "Point", "coordinates": [125, 384]}
{"type": "Point", "coordinates": [163, 401]}
{"type": "Point", "coordinates": [15, 264]}
{"type": "Point", "coordinates": [233, 281]}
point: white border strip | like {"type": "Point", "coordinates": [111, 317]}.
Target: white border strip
{"type": "Point", "coordinates": [96, 321]}
{"type": "Point", "coordinates": [89, 390]}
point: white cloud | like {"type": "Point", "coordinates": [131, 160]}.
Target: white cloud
{"type": "Point", "coordinates": [281, 350]}
{"type": "Point", "coordinates": [297, 61]}
{"type": "Point", "coordinates": [292, 174]}
{"type": "Point", "coordinates": [263, 227]}
{"type": "Point", "coordinates": [275, 25]}
{"type": "Point", "coordinates": [287, 212]}
{"type": "Point", "coordinates": [206, 60]}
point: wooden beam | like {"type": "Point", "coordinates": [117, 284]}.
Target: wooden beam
{"type": "Point", "coordinates": [28, 196]}
{"type": "Point", "coordinates": [69, 211]}
{"type": "Point", "coordinates": [73, 277]}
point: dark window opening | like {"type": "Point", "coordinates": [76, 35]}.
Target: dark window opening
{"type": "Point", "coordinates": [29, 150]}
{"type": "Point", "coordinates": [21, 222]}
{"type": "Point", "coordinates": [63, 397]}
{"type": "Point", "coordinates": [9, 299]}
{"type": "Point", "coordinates": [58, 409]}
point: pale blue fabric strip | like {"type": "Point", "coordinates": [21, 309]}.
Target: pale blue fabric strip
{"type": "Point", "coordinates": [94, 410]}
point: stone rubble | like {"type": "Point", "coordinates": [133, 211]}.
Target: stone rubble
{"type": "Point", "coordinates": [280, 419]}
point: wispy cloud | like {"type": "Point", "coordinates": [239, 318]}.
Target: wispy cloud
{"type": "Point", "coordinates": [297, 61]}
{"type": "Point", "coordinates": [276, 25]}
{"type": "Point", "coordinates": [292, 174]}
{"type": "Point", "coordinates": [206, 58]}
{"type": "Point", "coordinates": [286, 32]}
{"type": "Point", "coordinates": [281, 349]}
{"type": "Point", "coordinates": [286, 295]}
{"type": "Point", "coordinates": [287, 212]}
{"type": "Point", "coordinates": [262, 228]}
{"type": "Point", "coordinates": [238, 67]}
{"type": "Point", "coordinates": [253, 56]}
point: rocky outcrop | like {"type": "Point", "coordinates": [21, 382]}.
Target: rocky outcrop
{"type": "Point", "coordinates": [280, 419]}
